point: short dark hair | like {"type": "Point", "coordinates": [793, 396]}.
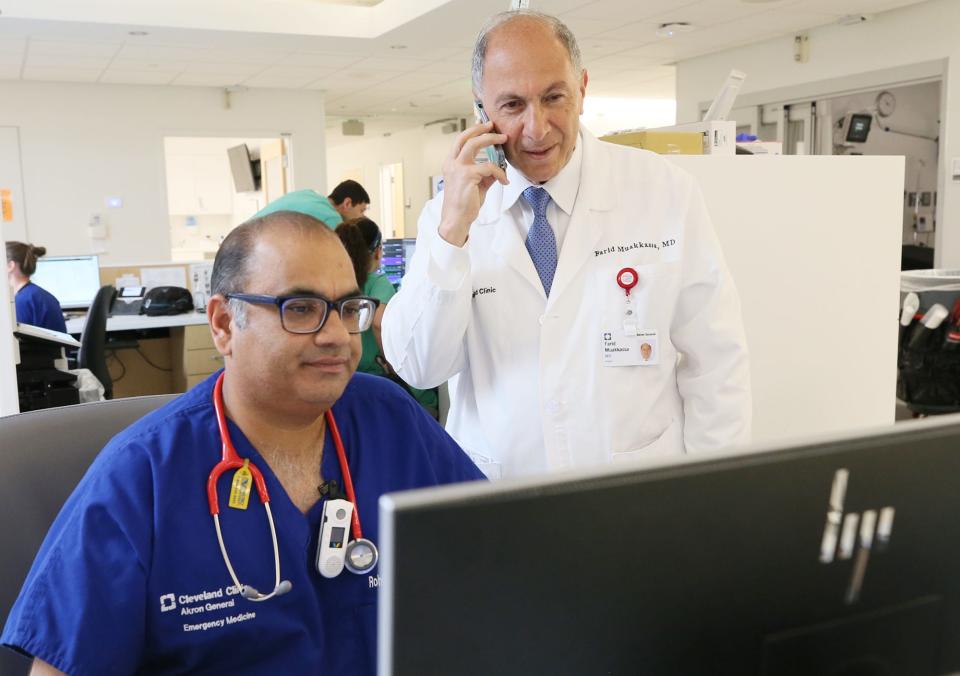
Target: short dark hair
{"type": "Point", "coordinates": [25, 256]}
{"type": "Point", "coordinates": [230, 272]}
{"type": "Point", "coordinates": [351, 189]}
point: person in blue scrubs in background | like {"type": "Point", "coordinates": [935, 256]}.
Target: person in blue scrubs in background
{"type": "Point", "coordinates": [131, 579]}
{"type": "Point", "coordinates": [35, 306]}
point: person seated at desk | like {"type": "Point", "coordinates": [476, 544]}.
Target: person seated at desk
{"type": "Point", "coordinates": [364, 243]}
{"type": "Point", "coordinates": [35, 306]}
{"type": "Point", "coordinates": [134, 577]}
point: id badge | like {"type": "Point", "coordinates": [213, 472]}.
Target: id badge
{"type": "Point", "coordinates": [621, 349]}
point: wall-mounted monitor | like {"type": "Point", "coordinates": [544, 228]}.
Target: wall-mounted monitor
{"type": "Point", "coordinates": [245, 169]}
{"type": "Point", "coordinates": [858, 128]}
{"type": "Point", "coordinates": [73, 280]}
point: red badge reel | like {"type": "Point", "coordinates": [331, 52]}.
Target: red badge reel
{"type": "Point", "coordinates": [627, 279]}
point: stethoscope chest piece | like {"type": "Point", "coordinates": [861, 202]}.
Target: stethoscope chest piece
{"type": "Point", "coordinates": [362, 556]}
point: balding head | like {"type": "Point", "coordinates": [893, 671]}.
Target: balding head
{"type": "Point", "coordinates": [528, 24]}
{"type": "Point", "coordinates": [231, 269]}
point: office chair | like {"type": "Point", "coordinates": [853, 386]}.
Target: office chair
{"type": "Point", "coordinates": [42, 460]}
{"type": "Point", "coordinates": [93, 340]}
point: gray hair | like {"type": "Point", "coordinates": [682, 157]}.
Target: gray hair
{"type": "Point", "coordinates": [230, 271]}
{"type": "Point", "coordinates": [560, 30]}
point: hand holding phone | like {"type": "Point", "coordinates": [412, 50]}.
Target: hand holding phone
{"type": "Point", "coordinates": [466, 180]}
{"type": "Point", "coordinates": [495, 152]}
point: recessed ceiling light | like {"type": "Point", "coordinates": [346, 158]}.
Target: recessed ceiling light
{"type": "Point", "coordinates": [138, 34]}
{"type": "Point", "coordinates": [398, 46]}
{"type": "Point", "coordinates": [673, 28]}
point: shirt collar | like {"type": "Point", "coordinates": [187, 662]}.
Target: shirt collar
{"type": "Point", "coordinates": [563, 187]}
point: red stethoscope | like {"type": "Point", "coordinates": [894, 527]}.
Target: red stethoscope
{"type": "Point", "coordinates": [361, 554]}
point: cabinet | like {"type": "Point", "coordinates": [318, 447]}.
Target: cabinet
{"type": "Point", "coordinates": [196, 357]}
{"type": "Point", "coordinates": [199, 185]}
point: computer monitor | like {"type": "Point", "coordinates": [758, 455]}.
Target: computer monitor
{"type": "Point", "coordinates": [73, 280]}
{"type": "Point", "coordinates": [393, 263]}
{"type": "Point", "coordinates": [837, 558]}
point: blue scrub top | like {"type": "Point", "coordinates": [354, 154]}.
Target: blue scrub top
{"type": "Point", "coordinates": [130, 577]}
{"type": "Point", "coordinates": [39, 307]}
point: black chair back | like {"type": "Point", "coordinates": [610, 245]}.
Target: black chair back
{"type": "Point", "coordinates": [93, 341]}
{"type": "Point", "coordinates": [43, 456]}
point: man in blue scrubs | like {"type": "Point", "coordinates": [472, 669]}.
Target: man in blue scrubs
{"type": "Point", "coordinates": [130, 578]}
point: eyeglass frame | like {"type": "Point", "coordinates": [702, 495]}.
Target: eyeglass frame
{"type": "Point", "coordinates": [278, 301]}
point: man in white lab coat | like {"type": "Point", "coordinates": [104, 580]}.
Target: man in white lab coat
{"type": "Point", "coordinates": [533, 289]}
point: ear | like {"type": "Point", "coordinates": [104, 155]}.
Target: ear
{"type": "Point", "coordinates": [583, 89]}
{"type": "Point", "coordinates": [221, 324]}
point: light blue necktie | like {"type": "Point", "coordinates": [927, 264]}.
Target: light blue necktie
{"type": "Point", "coordinates": [541, 242]}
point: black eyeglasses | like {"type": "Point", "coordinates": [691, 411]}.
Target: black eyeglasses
{"type": "Point", "coordinates": [308, 314]}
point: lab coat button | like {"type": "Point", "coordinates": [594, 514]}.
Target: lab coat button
{"type": "Point", "coordinates": [553, 406]}
{"type": "Point", "coordinates": [542, 318]}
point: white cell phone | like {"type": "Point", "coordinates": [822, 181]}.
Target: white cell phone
{"type": "Point", "coordinates": [495, 152]}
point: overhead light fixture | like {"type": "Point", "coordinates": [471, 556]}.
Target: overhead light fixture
{"type": "Point", "coordinates": [852, 19]}
{"type": "Point", "coordinates": [674, 28]}
{"type": "Point", "coordinates": [138, 34]}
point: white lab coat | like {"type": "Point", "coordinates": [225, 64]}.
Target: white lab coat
{"type": "Point", "coordinates": [528, 389]}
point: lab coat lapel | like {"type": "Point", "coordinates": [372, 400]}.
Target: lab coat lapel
{"type": "Point", "coordinates": [507, 243]}
{"type": "Point", "coordinates": [596, 197]}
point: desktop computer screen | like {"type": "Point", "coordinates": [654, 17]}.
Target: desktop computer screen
{"type": "Point", "coordinates": [393, 263]}
{"type": "Point", "coordinates": [837, 558]}
{"type": "Point", "coordinates": [73, 280]}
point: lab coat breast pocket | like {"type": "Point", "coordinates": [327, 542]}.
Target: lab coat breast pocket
{"type": "Point", "coordinates": [651, 299]}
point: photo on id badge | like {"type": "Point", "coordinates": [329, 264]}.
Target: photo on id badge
{"type": "Point", "coordinates": [622, 348]}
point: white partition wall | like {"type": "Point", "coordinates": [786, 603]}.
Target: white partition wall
{"type": "Point", "coordinates": [813, 244]}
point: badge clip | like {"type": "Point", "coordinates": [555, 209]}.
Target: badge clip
{"type": "Point", "coordinates": [627, 278]}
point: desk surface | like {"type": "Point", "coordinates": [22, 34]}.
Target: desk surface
{"type": "Point", "coordinates": [134, 322]}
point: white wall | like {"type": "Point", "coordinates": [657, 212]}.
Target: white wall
{"type": "Point", "coordinates": [420, 149]}
{"type": "Point", "coordinates": [918, 34]}
{"type": "Point", "coordinates": [917, 112]}
{"type": "Point", "coordinates": [818, 282]}
{"type": "Point", "coordinates": [82, 143]}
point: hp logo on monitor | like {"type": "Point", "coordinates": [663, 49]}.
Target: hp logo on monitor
{"type": "Point", "coordinates": [843, 532]}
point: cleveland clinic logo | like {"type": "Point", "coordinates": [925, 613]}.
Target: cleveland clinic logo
{"type": "Point", "coordinates": [843, 532]}
{"type": "Point", "coordinates": [168, 602]}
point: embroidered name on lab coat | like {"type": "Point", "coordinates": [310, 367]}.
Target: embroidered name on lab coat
{"type": "Point", "coordinates": [623, 248]}
{"type": "Point", "coordinates": [483, 290]}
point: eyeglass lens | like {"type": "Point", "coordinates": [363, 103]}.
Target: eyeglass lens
{"type": "Point", "coordinates": [306, 315]}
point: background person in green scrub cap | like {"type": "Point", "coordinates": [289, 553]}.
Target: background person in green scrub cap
{"type": "Point", "coordinates": [348, 201]}
{"type": "Point", "coordinates": [363, 241]}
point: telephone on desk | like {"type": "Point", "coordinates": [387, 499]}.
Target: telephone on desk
{"type": "Point", "coordinates": [160, 300]}
{"type": "Point", "coordinates": [128, 301]}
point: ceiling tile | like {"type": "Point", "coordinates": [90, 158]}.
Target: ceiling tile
{"type": "Point", "coordinates": [209, 79]}
{"type": "Point", "coordinates": [12, 45]}
{"type": "Point", "coordinates": [842, 7]}
{"type": "Point", "coordinates": [65, 61]}
{"type": "Point", "coordinates": [148, 66]}
{"type": "Point", "coordinates": [77, 49]}
{"type": "Point", "coordinates": [137, 77]}
{"type": "Point", "coordinates": [711, 12]}
{"type": "Point", "coordinates": [50, 74]}
{"type": "Point", "coordinates": [626, 10]}
{"type": "Point", "coordinates": [322, 60]}
{"type": "Point", "coordinates": [284, 78]}
{"type": "Point", "coordinates": [244, 69]}
{"type": "Point", "coordinates": [397, 65]}
{"type": "Point", "coordinates": [162, 52]}
{"type": "Point", "coordinates": [252, 57]}
{"type": "Point", "coordinates": [11, 59]}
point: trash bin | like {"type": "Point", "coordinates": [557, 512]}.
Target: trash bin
{"type": "Point", "coordinates": [928, 359]}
